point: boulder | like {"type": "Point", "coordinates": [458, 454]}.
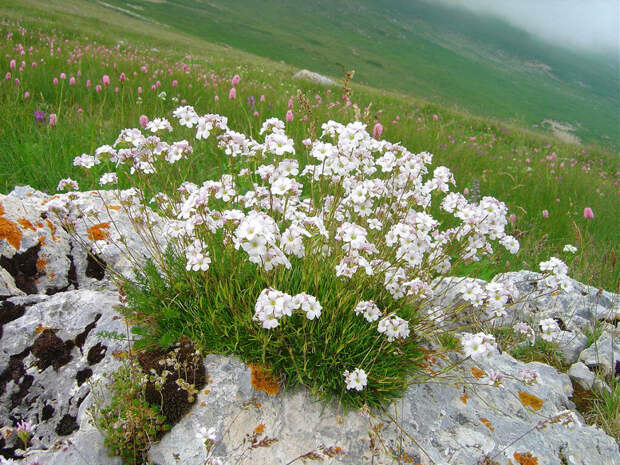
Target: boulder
{"type": "Point", "coordinates": [580, 374]}
{"type": "Point", "coordinates": [314, 77]}
{"type": "Point", "coordinates": [604, 354]}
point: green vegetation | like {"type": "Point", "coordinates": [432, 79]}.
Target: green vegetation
{"type": "Point", "coordinates": [451, 56]}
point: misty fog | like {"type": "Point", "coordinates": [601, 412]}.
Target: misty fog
{"type": "Point", "coordinates": [591, 25]}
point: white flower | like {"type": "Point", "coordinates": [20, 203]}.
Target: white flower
{"type": "Point", "coordinates": [549, 329]}
{"type": "Point", "coordinates": [67, 182]}
{"type": "Point", "coordinates": [569, 248]}
{"type": "Point", "coordinates": [204, 434]}
{"type": "Point", "coordinates": [478, 345]}
{"type": "Point", "coordinates": [108, 178]}
{"type": "Point", "coordinates": [85, 161]}
{"type": "Point", "coordinates": [197, 257]}
{"type": "Point", "coordinates": [528, 376]}
{"type": "Point", "coordinates": [356, 379]}
{"type": "Point", "coordinates": [394, 327]}
{"type": "Point", "coordinates": [369, 309]}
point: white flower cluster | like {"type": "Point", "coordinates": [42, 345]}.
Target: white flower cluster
{"type": "Point", "coordinates": [369, 309]}
{"type": "Point", "coordinates": [356, 379]}
{"type": "Point", "coordinates": [272, 305]}
{"type": "Point", "coordinates": [493, 296]}
{"type": "Point", "coordinates": [394, 327]}
{"type": "Point", "coordinates": [549, 329]}
{"type": "Point", "coordinates": [556, 275]}
{"type": "Point", "coordinates": [478, 345]}
{"type": "Point", "coordinates": [197, 257]}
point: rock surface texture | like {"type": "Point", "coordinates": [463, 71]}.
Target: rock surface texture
{"type": "Point", "coordinates": [56, 306]}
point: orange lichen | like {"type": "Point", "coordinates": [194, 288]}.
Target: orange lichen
{"type": "Point", "coordinates": [530, 400]}
{"type": "Point", "coordinates": [114, 207]}
{"type": "Point", "coordinates": [487, 423]}
{"type": "Point", "coordinates": [1, 210]}
{"type": "Point", "coordinates": [11, 233]}
{"type": "Point", "coordinates": [26, 224]}
{"type": "Point", "coordinates": [42, 240]}
{"type": "Point", "coordinates": [260, 429]}
{"type": "Point", "coordinates": [464, 398]}
{"type": "Point", "coordinates": [52, 228]}
{"type": "Point", "coordinates": [207, 391]}
{"type": "Point", "coordinates": [41, 262]}
{"type": "Point", "coordinates": [477, 372]}
{"type": "Point", "coordinates": [98, 232]}
{"type": "Point", "coordinates": [264, 380]}
{"type": "Point", "coordinates": [525, 459]}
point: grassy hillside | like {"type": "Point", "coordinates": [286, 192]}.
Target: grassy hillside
{"type": "Point", "coordinates": [85, 41]}
{"type": "Point", "coordinates": [444, 54]}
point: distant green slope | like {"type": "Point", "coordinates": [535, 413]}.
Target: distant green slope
{"type": "Point", "coordinates": [455, 57]}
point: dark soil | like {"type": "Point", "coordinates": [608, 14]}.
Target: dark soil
{"type": "Point", "coordinates": [175, 402]}
{"type": "Point", "coordinates": [83, 375]}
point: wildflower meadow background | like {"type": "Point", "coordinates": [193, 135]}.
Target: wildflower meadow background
{"type": "Point", "coordinates": [304, 225]}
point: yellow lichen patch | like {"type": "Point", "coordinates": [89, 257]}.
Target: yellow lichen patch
{"type": "Point", "coordinates": [525, 459]}
{"type": "Point", "coordinates": [530, 400]}
{"type": "Point", "coordinates": [11, 233]}
{"type": "Point", "coordinates": [99, 232]}
{"type": "Point", "coordinates": [264, 380]}
{"type": "Point", "coordinates": [260, 429]}
{"type": "Point", "coordinates": [464, 398]}
{"type": "Point", "coordinates": [41, 262]}
{"type": "Point", "coordinates": [477, 372]}
{"type": "Point", "coordinates": [487, 423]}
{"type": "Point", "coordinates": [26, 224]}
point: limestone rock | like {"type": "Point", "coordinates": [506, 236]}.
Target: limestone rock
{"type": "Point", "coordinates": [452, 425]}
{"type": "Point", "coordinates": [50, 353]}
{"type": "Point", "coordinates": [314, 77]}
{"type": "Point", "coordinates": [604, 353]}
{"type": "Point", "coordinates": [580, 374]}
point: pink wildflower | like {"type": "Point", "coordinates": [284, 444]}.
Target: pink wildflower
{"type": "Point", "coordinates": [26, 95]}
{"type": "Point", "coordinates": [53, 119]}
{"type": "Point", "coordinates": [588, 214]}
{"type": "Point", "coordinates": [435, 117]}
{"type": "Point", "coordinates": [216, 98]}
{"type": "Point", "coordinates": [12, 64]}
{"type": "Point", "coordinates": [512, 218]}
{"type": "Point", "coordinates": [232, 94]}
{"type": "Point", "coordinates": [106, 80]}
{"type": "Point", "coordinates": [235, 80]}
{"type": "Point", "coordinates": [144, 120]}
{"type": "Point", "coordinates": [139, 89]}
{"type": "Point", "coordinates": [175, 83]}
{"type": "Point", "coordinates": [122, 77]}
{"type": "Point", "coordinates": [377, 130]}
{"type": "Point", "coordinates": [289, 116]}
{"type": "Point", "coordinates": [262, 98]}
{"type": "Point", "coordinates": [545, 213]}
{"type": "Point", "coordinates": [55, 81]}
{"type": "Point", "coordinates": [72, 81]}
{"type": "Point", "coordinates": [98, 87]}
